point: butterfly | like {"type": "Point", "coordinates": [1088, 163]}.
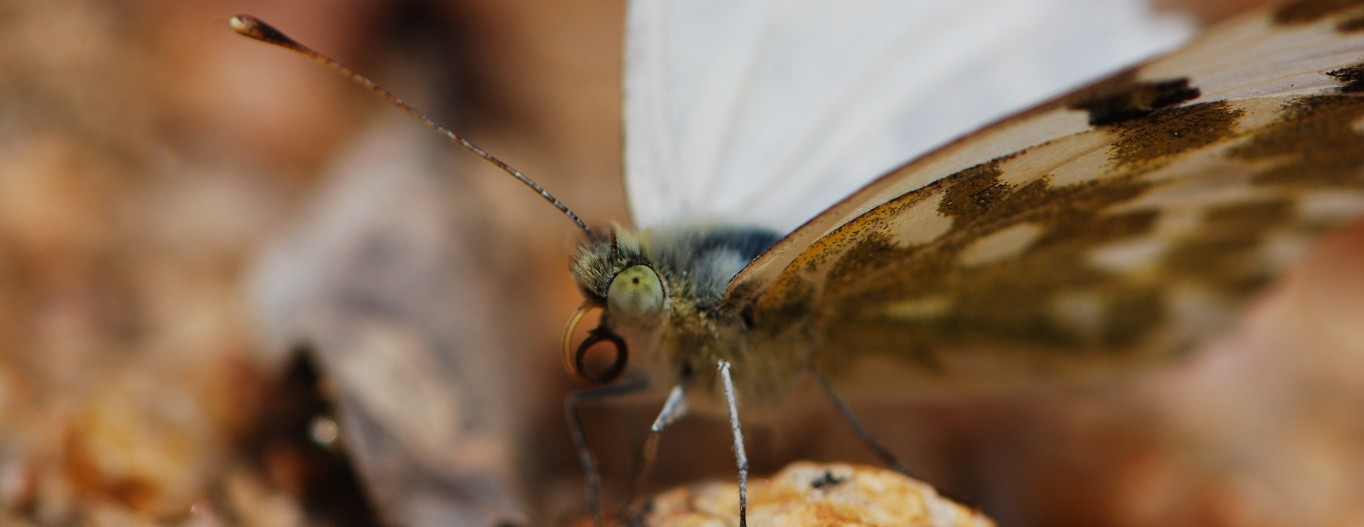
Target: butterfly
{"type": "Point", "coordinates": [1106, 228]}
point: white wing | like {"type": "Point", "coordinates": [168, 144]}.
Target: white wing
{"type": "Point", "coordinates": [765, 112]}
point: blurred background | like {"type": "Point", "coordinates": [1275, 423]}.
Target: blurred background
{"type": "Point", "coordinates": [213, 254]}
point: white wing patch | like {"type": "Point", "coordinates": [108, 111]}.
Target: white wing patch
{"type": "Point", "coordinates": [766, 112]}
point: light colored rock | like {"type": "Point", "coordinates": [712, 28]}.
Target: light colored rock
{"type": "Point", "coordinates": [812, 494]}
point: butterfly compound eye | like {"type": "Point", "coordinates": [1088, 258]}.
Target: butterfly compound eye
{"type": "Point", "coordinates": [636, 296]}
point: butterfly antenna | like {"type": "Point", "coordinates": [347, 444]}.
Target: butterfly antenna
{"type": "Point", "coordinates": [257, 29]}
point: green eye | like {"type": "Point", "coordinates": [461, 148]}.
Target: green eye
{"type": "Point", "coordinates": [636, 296]}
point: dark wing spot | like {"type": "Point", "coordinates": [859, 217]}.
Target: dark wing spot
{"type": "Point", "coordinates": [1172, 132]}
{"type": "Point", "coordinates": [1351, 78]}
{"type": "Point", "coordinates": [875, 252]}
{"type": "Point", "coordinates": [973, 191]}
{"type": "Point", "coordinates": [828, 479]}
{"type": "Point", "coordinates": [1309, 11]}
{"type": "Point", "coordinates": [1131, 313]}
{"type": "Point", "coordinates": [1222, 253]}
{"type": "Point", "coordinates": [1113, 104]}
{"type": "Point", "coordinates": [1313, 144]}
{"type": "Point", "coordinates": [1351, 25]}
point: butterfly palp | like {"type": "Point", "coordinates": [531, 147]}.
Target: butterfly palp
{"type": "Point", "coordinates": [575, 359]}
{"type": "Point", "coordinates": [597, 336]}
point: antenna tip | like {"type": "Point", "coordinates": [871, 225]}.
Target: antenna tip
{"type": "Point", "coordinates": [250, 26]}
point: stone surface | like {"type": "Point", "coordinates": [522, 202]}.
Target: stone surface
{"type": "Point", "coordinates": [813, 494]}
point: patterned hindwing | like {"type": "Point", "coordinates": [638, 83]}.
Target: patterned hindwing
{"type": "Point", "coordinates": [1114, 224]}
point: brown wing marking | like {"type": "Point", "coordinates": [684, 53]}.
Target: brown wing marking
{"type": "Point", "coordinates": [1312, 11]}
{"type": "Point", "coordinates": [1172, 231]}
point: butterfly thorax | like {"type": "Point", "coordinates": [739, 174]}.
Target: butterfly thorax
{"type": "Point", "coordinates": [695, 325]}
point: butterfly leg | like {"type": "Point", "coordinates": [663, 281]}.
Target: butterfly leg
{"type": "Point", "coordinates": [575, 427]}
{"type": "Point", "coordinates": [673, 409]}
{"type": "Point", "coordinates": [862, 433]}
{"type": "Point", "coordinates": [740, 456]}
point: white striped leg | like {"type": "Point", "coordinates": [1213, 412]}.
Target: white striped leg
{"type": "Point", "coordinates": [740, 456]}
{"type": "Point", "coordinates": [673, 409]}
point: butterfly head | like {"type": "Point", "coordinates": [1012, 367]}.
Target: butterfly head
{"type": "Point", "coordinates": [616, 277]}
